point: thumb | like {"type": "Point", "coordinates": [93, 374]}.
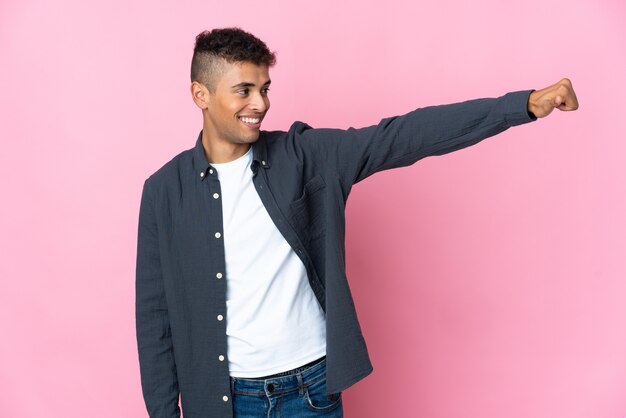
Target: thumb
{"type": "Point", "coordinates": [558, 100]}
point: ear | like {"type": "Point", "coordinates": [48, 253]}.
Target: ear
{"type": "Point", "coordinates": [200, 95]}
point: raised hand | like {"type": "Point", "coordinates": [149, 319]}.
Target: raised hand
{"type": "Point", "coordinates": [557, 96]}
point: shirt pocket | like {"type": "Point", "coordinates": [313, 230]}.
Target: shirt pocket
{"type": "Point", "coordinates": [307, 211]}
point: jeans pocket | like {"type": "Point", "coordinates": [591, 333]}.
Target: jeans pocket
{"type": "Point", "coordinates": [316, 399]}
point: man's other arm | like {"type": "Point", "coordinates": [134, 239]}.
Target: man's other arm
{"type": "Point", "coordinates": [154, 341]}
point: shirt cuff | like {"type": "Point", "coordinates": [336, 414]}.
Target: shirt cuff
{"type": "Point", "coordinates": [515, 108]}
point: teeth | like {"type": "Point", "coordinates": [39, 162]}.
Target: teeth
{"type": "Point", "coordinates": [250, 120]}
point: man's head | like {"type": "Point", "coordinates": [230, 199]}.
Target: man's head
{"type": "Point", "coordinates": [219, 47]}
{"type": "Point", "coordinates": [230, 81]}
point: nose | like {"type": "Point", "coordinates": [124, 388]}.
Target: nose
{"type": "Point", "coordinates": [259, 102]}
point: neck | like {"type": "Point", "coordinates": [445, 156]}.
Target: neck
{"type": "Point", "coordinates": [217, 151]}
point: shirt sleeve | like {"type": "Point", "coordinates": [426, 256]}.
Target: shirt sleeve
{"type": "Point", "coordinates": [398, 141]}
{"type": "Point", "coordinates": [154, 340]}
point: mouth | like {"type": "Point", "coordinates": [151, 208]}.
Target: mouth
{"type": "Point", "coordinates": [251, 122]}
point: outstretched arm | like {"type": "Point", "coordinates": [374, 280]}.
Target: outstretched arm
{"type": "Point", "coordinates": [355, 154]}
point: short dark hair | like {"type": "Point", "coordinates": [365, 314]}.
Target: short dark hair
{"type": "Point", "coordinates": [231, 45]}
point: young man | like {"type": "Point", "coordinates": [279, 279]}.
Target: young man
{"type": "Point", "coordinates": [242, 303]}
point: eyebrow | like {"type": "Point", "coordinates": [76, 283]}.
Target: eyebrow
{"type": "Point", "coordinates": [248, 84]}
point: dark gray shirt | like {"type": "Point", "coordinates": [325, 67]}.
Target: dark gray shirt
{"type": "Point", "coordinates": [303, 177]}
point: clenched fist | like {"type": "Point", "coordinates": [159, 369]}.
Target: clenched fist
{"type": "Point", "coordinates": [560, 96]}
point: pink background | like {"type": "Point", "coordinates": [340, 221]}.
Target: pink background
{"type": "Point", "coordinates": [501, 288]}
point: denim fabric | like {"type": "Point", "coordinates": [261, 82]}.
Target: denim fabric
{"type": "Point", "coordinates": [301, 394]}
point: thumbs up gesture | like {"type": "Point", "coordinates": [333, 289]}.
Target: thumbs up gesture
{"type": "Point", "coordinates": [557, 96]}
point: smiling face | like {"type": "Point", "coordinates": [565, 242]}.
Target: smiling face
{"type": "Point", "coordinates": [233, 112]}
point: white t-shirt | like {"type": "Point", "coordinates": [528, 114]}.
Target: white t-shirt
{"type": "Point", "coordinates": [274, 322]}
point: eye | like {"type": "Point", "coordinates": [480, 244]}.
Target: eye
{"type": "Point", "coordinates": [243, 92]}
{"type": "Point", "coordinates": [265, 90]}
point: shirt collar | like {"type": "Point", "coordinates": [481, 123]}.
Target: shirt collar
{"type": "Point", "coordinates": [259, 156]}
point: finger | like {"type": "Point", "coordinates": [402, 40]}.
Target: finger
{"type": "Point", "coordinates": [567, 107]}
{"type": "Point", "coordinates": [572, 101]}
{"type": "Point", "coordinates": [569, 103]}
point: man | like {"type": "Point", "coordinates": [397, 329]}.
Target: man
{"type": "Point", "coordinates": [242, 303]}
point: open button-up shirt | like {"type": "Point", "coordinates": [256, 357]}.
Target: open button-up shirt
{"type": "Point", "coordinates": [303, 177]}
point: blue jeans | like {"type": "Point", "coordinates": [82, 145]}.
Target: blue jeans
{"type": "Point", "coordinates": [297, 394]}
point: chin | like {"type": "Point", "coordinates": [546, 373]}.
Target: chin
{"type": "Point", "coordinates": [251, 139]}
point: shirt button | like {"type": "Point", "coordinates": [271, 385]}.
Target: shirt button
{"type": "Point", "coordinates": [215, 195]}
{"type": "Point", "coordinates": [263, 162]}
{"type": "Point", "coordinates": [202, 174]}
{"type": "Point", "coordinates": [217, 235]}
{"type": "Point", "coordinates": [221, 358]}
{"type": "Point", "coordinates": [220, 317]}
{"type": "Point", "coordinates": [219, 275]}
{"type": "Point", "coordinates": [211, 171]}
{"type": "Point", "coordinates": [225, 398]}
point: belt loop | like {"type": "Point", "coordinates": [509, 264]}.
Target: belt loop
{"type": "Point", "coordinates": [300, 384]}
{"type": "Point", "coordinates": [232, 386]}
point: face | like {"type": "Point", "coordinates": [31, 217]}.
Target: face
{"type": "Point", "coordinates": [235, 110]}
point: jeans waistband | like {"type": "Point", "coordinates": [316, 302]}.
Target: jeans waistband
{"type": "Point", "coordinates": [288, 372]}
{"type": "Point", "coordinates": [295, 379]}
